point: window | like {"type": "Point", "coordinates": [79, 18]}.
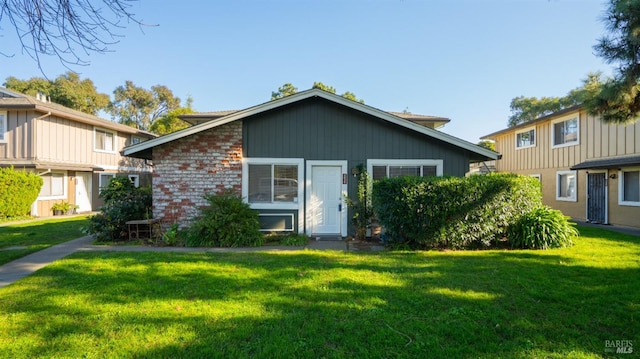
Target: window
{"type": "Point", "coordinates": [105, 141]}
{"type": "Point", "coordinates": [629, 184]}
{"type": "Point", "coordinates": [53, 186]}
{"type": "Point", "coordinates": [565, 133]}
{"type": "Point", "coordinates": [104, 180]}
{"type": "Point", "coordinates": [3, 126]}
{"type": "Point", "coordinates": [273, 182]}
{"type": "Point", "coordinates": [380, 169]}
{"type": "Point", "coordinates": [135, 140]}
{"type": "Point", "coordinates": [566, 186]}
{"type": "Point", "coordinates": [135, 179]}
{"type": "Point", "coordinates": [536, 175]}
{"type": "Point", "coordinates": [526, 138]}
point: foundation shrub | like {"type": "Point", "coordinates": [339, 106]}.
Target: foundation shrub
{"type": "Point", "coordinates": [18, 190]}
{"type": "Point", "coordinates": [123, 202]}
{"type": "Point", "coordinates": [225, 222]}
{"type": "Point", "coordinates": [452, 212]}
{"type": "Point", "coordinates": [542, 228]}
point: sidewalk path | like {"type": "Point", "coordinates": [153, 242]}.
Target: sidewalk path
{"type": "Point", "coordinates": [22, 267]}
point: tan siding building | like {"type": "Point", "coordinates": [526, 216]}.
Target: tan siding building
{"type": "Point", "coordinates": [588, 169]}
{"type": "Point", "coordinates": [75, 153]}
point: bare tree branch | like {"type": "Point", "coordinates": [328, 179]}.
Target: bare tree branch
{"type": "Point", "coordinates": [67, 29]}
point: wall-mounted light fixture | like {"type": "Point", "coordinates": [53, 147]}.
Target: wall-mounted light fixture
{"type": "Point", "coordinates": [613, 176]}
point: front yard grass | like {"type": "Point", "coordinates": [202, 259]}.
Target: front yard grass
{"type": "Point", "coordinates": [561, 303]}
{"type": "Point", "coordinates": [20, 239]}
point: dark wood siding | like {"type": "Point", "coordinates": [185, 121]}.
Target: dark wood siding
{"type": "Point", "coordinates": [316, 129]}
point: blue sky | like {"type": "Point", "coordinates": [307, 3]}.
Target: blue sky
{"type": "Point", "coordinates": [461, 59]}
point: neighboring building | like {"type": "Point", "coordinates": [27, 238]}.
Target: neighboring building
{"type": "Point", "coordinates": [589, 170]}
{"type": "Point", "coordinates": [75, 153]}
{"type": "Point", "coordinates": [294, 159]}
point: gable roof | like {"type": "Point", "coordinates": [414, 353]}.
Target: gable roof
{"type": "Point", "coordinates": [424, 120]}
{"type": "Point", "coordinates": [14, 100]}
{"type": "Point", "coordinates": [143, 150]}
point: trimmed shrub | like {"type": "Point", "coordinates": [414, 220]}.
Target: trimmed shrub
{"type": "Point", "coordinates": [18, 190]}
{"type": "Point", "coordinates": [225, 222]}
{"type": "Point", "coordinates": [123, 202]}
{"type": "Point", "coordinates": [542, 228]}
{"type": "Point", "coordinates": [452, 212]}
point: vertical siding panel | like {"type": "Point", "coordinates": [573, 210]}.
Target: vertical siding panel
{"type": "Point", "coordinates": [604, 152]}
{"type": "Point", "coordinates": [621, 140]}
{"type": "Point", "coordinates": [629, 132]}
{"type": "Point", "coordinates": [613, 133]}
{"type": "Point", "coordinates": [637, 137]}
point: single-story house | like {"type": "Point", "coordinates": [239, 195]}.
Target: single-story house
{"type": "Point", "coordinates": [293, 159]}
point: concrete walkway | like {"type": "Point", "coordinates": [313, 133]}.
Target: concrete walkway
{"type": "Point", "coordinates": [22, 267]}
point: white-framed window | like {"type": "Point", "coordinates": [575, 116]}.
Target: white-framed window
{"type": "Point", "coordinates": [273, 182]}
{"type": "Point", "coordinates": [379, 169]}
{"type": "Point", "coordinates": [104, 140]}
{"type": "Point", "coordinates": [54, 186]}
{"type": "Point", "coordinates": [104, 179]}
{"type": "Point", "coordinates": [135, 140]}
{"type": "Point", "coordinates": [526, 138]}
{"type": "Point", "coordinates": [3, 126]}
{"type": "Point", "coordinates": [629, 186]}
{"type": "Point", "coordinates": [566, 186]}
{"type": "Point", "coordinates": [565, 132]}
{"type": "Point", "coordinates": [135, 179]}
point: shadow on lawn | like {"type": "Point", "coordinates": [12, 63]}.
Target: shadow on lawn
{"type": "Point", "coordinates": [330, 304]}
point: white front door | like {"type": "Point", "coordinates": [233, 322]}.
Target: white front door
{"type": "Point", "coordinates": [325, 207]}
{"type": "Point", "coordinates": [83, 191]}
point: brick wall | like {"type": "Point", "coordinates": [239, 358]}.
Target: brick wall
{"type": "Point", "coordinates": [186, 169]}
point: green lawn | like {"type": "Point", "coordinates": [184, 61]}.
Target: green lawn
{"type": "Point", "coordinates": [33, 236]}
{"type": "Point", "coordinates": [562, 303]}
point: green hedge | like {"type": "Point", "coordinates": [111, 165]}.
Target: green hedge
{"type": "Point", "coordinates": [18, 190]}
{"type": "Point", "coordinates": [452, 212]}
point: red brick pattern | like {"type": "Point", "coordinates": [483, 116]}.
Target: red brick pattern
{"type": "Point", "coordinates": [187, 169]}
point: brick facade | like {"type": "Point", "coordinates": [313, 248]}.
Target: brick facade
{"type": "Point", "coordinates": [187, 169]}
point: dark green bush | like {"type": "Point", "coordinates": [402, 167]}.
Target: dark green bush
{"type": "Point", "coordinates": [225, 222]}
{"type": "Point", "coordinates": [542, 228]}
{"type": "Point", "coordinates": [452, 212]}
{"type": "Point", "coordinates": [123, 202]}
{"type": "Point", "coordinates": [287, 239]}
{"type": "Point", "coordinates": [18, 190]}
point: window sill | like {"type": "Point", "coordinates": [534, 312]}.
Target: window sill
{"type": "Point", "coordinates": [629, 204]}
{"type": "Point", "coordinates": [566, 199]}
{"type": "Point", "coordinates": [565, 145]}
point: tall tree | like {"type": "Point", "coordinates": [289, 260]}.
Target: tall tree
{"type": "Point", "coordinates": [288, 89]}
{"type": "Point", "coordinates": [66, 29]}
{"type": "Point", "coordinates": [525, 109]}
{"type": "Point", "coordinates": [618, 99]}
{"type": "Point", "coordinates": [140, 108]}
{"type": "Point", "coordinates": [171, 122]}
{"type": "Point", "coordinates": [490, 145]}
{"type": "Point", "coordinates": [284, 91]}
{"type": "Point", "coordinates": [68, 90]}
